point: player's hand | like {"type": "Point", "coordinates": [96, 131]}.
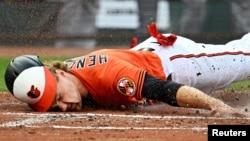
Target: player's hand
{"type": "Point", "coordinates": [225, 110]}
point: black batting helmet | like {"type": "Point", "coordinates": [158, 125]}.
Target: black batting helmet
{"type": "Point", "coordinates": [17, 65]}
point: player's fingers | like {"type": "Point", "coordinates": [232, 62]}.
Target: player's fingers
{"type": "Point", "coordinates": [215, 113]}
{"type": "Point", "coordinates": [228, 113]}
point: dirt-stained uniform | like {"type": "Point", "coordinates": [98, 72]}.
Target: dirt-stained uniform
{"type": "Point", "coordinates": [116, 77]}
{"type": "Point", "coordinates": [207, 67]}
{"type": "Point", "coordinates": [129, 77]}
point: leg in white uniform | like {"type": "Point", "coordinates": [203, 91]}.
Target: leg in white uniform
{"type": "Point", "coordinates": [207, 67]}
{"type": "Point", "coordinates": [210, 67]}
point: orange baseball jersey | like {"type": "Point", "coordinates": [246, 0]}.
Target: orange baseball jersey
{"type": "Point", "coordinates": [112, 78]}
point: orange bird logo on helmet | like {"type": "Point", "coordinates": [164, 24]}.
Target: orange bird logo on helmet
{"type": "Point", "coordinates": [34, 92]}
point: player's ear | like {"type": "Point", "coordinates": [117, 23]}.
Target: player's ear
{"type": "Point", "coordinates": [60, 72]}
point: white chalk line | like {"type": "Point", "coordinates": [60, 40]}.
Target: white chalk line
{"type": "Point", "coordinates": [130, 128]}
{"type": "Point", "coordinates": [121, 128]}
{"type": "Point", "coordinates": [37, 118]}
{"type": "Point", "coordinates": [75, 115]}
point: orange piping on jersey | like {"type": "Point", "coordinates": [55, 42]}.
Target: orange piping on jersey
{"type": "Point", "coordinates": [208, 55]}
{"type": "Point", "coordinates": [140, 85]}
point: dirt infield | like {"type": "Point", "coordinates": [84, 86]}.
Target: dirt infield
{"type": "Point", "coordinates": [159, 122]}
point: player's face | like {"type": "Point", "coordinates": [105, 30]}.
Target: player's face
{"type": "Point", "coordinates": [68, 97]}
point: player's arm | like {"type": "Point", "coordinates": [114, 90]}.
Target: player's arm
{"type": "Point", "coordinates": [176, 94]}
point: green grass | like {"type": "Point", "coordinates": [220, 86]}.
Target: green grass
{"type": "Point", "coordinates": [243, 85]}
{"type": "Point", "coordinates": [4, 62]}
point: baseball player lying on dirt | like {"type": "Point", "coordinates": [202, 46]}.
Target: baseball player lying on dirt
{"type": "Point", "coordinates": [164, 68]}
